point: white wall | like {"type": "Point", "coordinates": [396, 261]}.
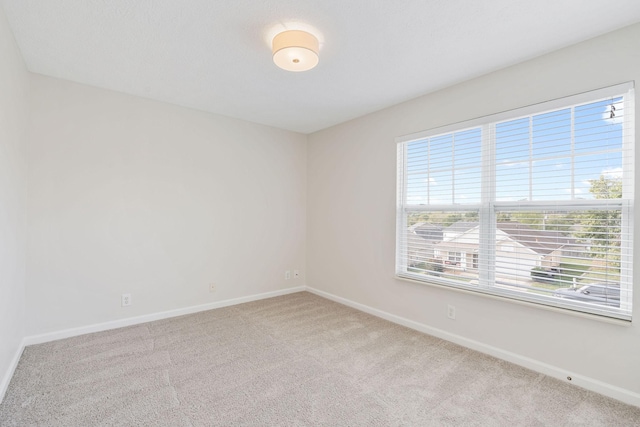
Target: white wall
{"type": "Point", "coordinates": [14, 85]}
{"type": "Point", "coordinates": [351, 215]}
{"type": "Point", "coordinates": [132, 195]}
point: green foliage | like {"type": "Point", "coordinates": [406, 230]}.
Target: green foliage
{"type": "Point", "coordinates": [434, 267]}
{"type": "Point", "coordinates": [416, 217]}
{"type": "Point", "coordinates": [572, 269]}
{"type": "Point", "coordinates": [439, 218]}
{"type": "Point", "coordinates": [418, 268]}
{"type": "Point", "coordinates": [472, 216]}
{"type": "Point", "coordinates": [533, 219]}
{"type": "Point", "coordinates": [443, 219]}
{"type": "Point", "coordinates": [562, 223]}
{"type": "Point", "coordinates": [606, 188]}
{"type": "Point", "coordinates": [601, 228]}
{"type": "Point", "coordinates": [452, 219]}
{"type": "Point", "coordinates": [503, 216]}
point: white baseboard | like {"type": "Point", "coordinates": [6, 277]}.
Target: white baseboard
{"type": "Point", "coordinates": [114, 324]}
{"type": "Point", "coordinates": [588, 383]}
{"type": "Point", "coordinates": [624, 395]}
{"type": "Point", "coordinates": [4, 385]}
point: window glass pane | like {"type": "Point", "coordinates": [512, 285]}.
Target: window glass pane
{"type": "Point", "coordinates": [513, 160]}
{"type": "Point", "coordinates": [440, 188]}
{"type": "Point", "coordinates": [417, 188]}
{"type": "Point", "coordinates": [467, 148]}
{"type": "Point", "coordinates": [512, 141]}
{"type": "Point", "coordinates": [467, 178]}
{"type": "Point", "coordinates": [444, 244]}
{"type": "Point", "coordinates": [445, 169]}
{"type": "Point", "coordinates": [560, 254]}
{"type": "Point", "coordinates": [512, 182]}
{"type": "Point", "coordinates": [441, 152]}
{"type": "Point", "coordinates": [417, 156]}
{"type": "Point", "coordinates": [551, 134]}
{"type": "Point", "coordinates": [605, 167]}
{"type": "Point", "coordinates": [598, 126]}
{"type": "Point", "coordinates": [467, 189]}
{"type": "Point", "coordinates": [551, 179]}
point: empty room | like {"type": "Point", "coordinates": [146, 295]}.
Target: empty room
{"type": "Point", "coordinates": [319, 213]}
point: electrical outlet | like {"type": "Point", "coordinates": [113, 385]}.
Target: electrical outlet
{"type": "Point", "coordinates": [296, 274]}
{"type": "Point", "coordinates": [451, 312]}
{"type": "Point", "coordinates": [212, 287]}
{"type": "Point", "coordinates": [126, 300]}
{"type": "Point", "coordinates": [287, 275]}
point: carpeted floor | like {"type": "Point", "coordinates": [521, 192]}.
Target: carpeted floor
{"type": "Point", "coordinates": [295, 360]}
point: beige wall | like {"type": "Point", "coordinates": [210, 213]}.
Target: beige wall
{"type": "Point", "coordinates": [128, 195]}
{"type": "Point", "coordinates": [14, 86]}
{"type": "Point", "coordinates": [351, 215]}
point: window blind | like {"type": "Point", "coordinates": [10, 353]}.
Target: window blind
{"type": "Point", "coordinates": [532, 204]}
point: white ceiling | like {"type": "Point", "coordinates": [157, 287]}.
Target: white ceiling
{"type": "Point", "coordinates": [214, 55]}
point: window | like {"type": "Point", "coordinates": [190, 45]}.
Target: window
{"type": "Point", "coordinates": [454, 258]}
{"type": "Point", "coordinates": [534, 204]}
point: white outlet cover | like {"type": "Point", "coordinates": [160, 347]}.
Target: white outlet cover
{"type": "Point", "coordinates": [451, 312]}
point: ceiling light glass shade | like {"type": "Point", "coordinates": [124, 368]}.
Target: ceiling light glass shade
{"type": "Point", "coordinates": [295, 50]}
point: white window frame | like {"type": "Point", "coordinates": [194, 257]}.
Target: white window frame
{"type": "Point", "coordinates": [488, 205]}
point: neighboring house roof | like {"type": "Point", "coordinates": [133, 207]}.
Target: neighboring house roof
{"type": "Point", "coordinates": [427, 231]}
{"type": "Point", "coordinates": [542, 242]}
{"type": "Point", "coordinates": [460, 227]}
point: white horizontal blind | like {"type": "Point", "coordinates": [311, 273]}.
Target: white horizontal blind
{"type": "Point", "coordinates": [443, 175]}
{"type": "Point", "coordinates": [534, 206]}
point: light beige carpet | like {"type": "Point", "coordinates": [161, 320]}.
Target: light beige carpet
{"type": "Point", "coordinates": [296, 360]}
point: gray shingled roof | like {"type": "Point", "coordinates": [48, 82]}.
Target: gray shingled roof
{"type": "Point", "coordinates": [427, 231]}
{"type": "Point", "coordinates": [539, 241]}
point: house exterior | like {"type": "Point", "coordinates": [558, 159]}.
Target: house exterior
{"type": "Point", "coordinates": [421, 240]}
{"type": "Point", "coordinates": [519, 248]}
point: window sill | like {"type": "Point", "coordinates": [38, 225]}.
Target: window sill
{"type": "Point", "coordinates": [567, 311]}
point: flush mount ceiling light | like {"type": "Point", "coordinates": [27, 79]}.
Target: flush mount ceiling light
{"type": "Point", "coordinates": [295, 50]}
